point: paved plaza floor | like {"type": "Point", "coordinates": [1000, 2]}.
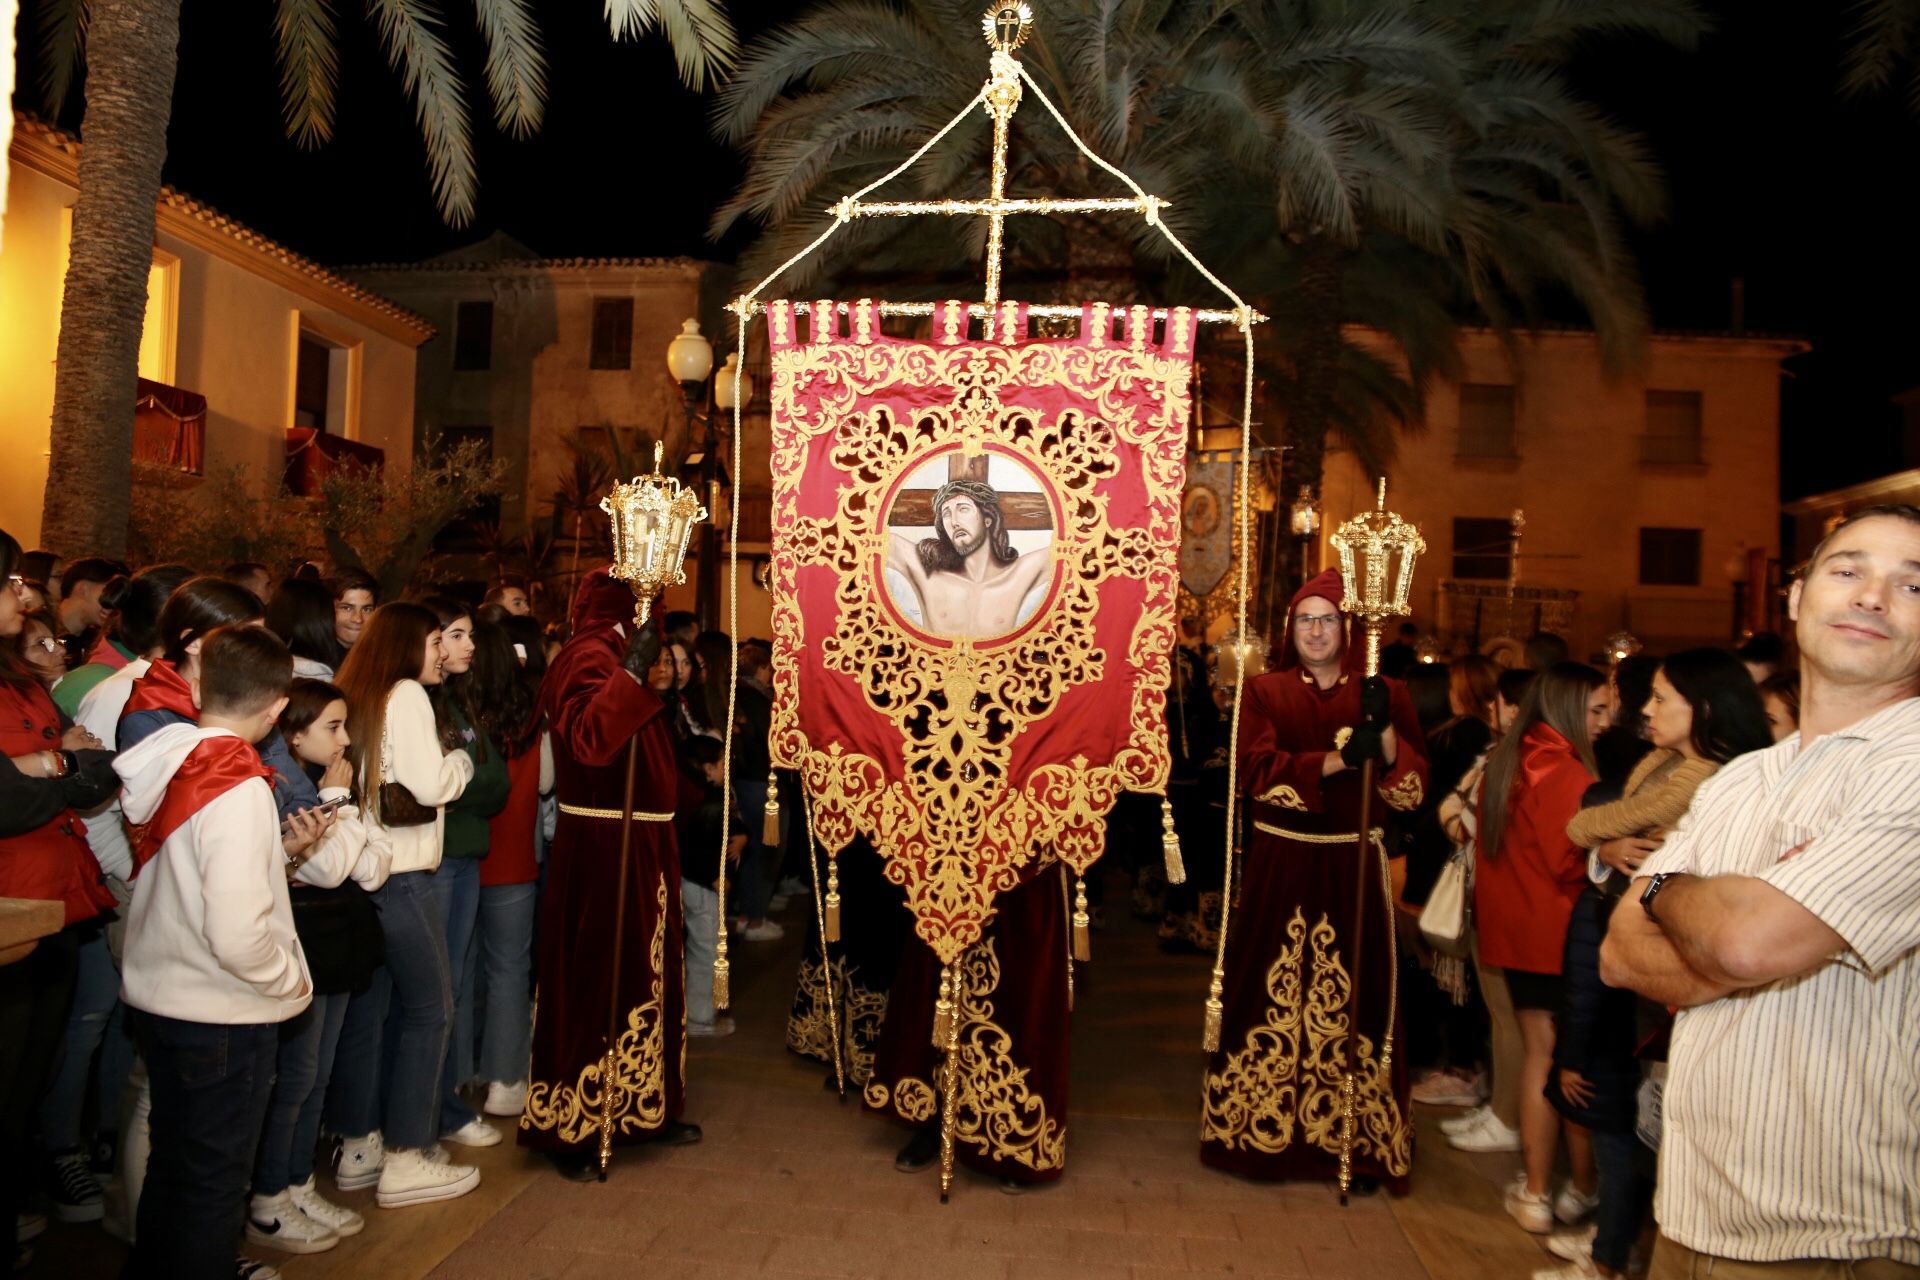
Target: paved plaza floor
{"type": "Point", "coordinates": [792, 1182]}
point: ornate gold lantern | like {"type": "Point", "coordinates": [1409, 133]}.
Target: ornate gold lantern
{"type": "Point", "coordinates": [653, 519]}
{"type": "Point", "coordinates": [1377, 550]}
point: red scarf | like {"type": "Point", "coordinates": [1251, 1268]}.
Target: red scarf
{"type": "Point", "coordinates": [214, 767]}
{"type": "Point", "coordinates": [162, 689]}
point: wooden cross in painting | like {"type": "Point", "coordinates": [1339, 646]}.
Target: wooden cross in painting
{"type": "Point", "coordinates": [914, 507]}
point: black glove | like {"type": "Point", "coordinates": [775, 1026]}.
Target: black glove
{"type": "Point", "coordinates": [1364, 745]}
{"type": "Point", "coordinates": [1376, 702]}
{"type": "Point", "coordinates": [643, 650]}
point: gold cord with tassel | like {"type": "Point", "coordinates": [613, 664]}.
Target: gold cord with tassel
{"type": "Point", "coordinates": [1065, 905]}
{"type": "Point", "coordinates": [943, 1009]}
{"type": "Point", "coordinates": [1082, 943]}
{"type": "Point", "coordinates": [1216, 1011]}
{"type": "Point", "coordinates": [770, 827]}
{"type": "Point", "coordinates": [833, 897]}
{"type": "Point", "coordinates": [1170, 844]}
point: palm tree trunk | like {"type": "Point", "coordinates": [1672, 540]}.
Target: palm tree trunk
{"type": "Point", "coordinates": [132, 52]}
{"type": "Point", "coordinates": [1316, 361]}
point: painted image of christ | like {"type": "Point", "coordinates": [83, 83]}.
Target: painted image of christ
{"type": "Point", "coordinates": [970, 559]}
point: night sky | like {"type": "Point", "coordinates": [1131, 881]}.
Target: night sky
{"type": "Point", "coordinates": [1773, 178]}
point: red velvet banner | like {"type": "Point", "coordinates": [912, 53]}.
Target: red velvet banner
{"type": "Point", "coordinates": [974, 569]}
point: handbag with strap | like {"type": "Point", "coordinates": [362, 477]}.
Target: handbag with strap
{"type": "Point", "coordinates": [398, 806]}
{"type": "Point", "coordinates": [1446, 922]}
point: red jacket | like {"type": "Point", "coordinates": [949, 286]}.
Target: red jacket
{"type": "Point", "coordinates": [52, 861]}
{"type": "Point", "coordinates": [1524, 892]}
{"type": "Point", "coordinates": [511, 855]}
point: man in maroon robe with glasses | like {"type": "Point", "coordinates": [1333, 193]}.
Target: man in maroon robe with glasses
{"type": "Point", "coordinates": [1271, 1105]}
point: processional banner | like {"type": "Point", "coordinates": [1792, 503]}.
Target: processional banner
{"type": "Point", "coordinates": [975, 561]}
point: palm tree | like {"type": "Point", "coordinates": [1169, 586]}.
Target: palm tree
{"type": "Point", "coordinates": [130, 49]}
{"type": "Point", "coordinates": [1884, 45]}
{"type": "Point", "coordinates": [1407, 166]}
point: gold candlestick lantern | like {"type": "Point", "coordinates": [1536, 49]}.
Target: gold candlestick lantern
{"type": "Point", "coordinates": [1377, 551]}
{"type": "Point", "coordinates": [653, 519]}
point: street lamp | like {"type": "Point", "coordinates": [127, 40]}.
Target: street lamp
{"type": "Point", "coordinates": [689, 361]}
{"type": "Point", "coordinates": [1304, 520]}
{"type": "Point", "coordinates": [1736, 571]}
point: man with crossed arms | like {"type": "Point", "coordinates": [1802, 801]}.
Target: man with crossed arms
{"type": "Point", "coordinates": [1783, 918]}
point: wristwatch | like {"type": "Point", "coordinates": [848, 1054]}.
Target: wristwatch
{"type": "Point", "coordinates": [1652, 891]}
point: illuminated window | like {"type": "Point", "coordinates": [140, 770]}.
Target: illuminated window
{"type": "Point", "coordinates": [159, 330]}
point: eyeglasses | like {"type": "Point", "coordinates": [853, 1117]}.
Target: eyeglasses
{"type": "Point", "coordinates": [1315, 621]}
{"type": "Point", "coordinates": [46, 642]}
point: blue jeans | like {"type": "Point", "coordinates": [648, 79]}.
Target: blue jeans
{"type": "Point", "coordinates": [701, 907]}
{"type": "Point", "coordinates": [210, 1091]}
{"type": "Point", "coordinates": [355, 1093]}
{"type": "Point", "coordinates": [292, 1126]}
{"type": "Point", "coordinates": [506, 975]}
{"type": "Point", "coordinates": [456, 886]}
{"type": "Point", "coordinates": [1623, 1198]}
{"type": "Point", "coordinates": [96, 993]}
{"type": "Point", "coordinates": [758, 867]}
{"type": "Point", "coordinates": [415, 1036]}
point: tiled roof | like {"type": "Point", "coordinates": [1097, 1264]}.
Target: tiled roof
{"type": "Point", "coordinates": [434, 265]}
{"type": "Point", "coordinates": [198, 211]}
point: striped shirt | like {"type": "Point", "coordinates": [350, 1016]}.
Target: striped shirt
{"type": "Point", "coordinates": [1792, 1110]}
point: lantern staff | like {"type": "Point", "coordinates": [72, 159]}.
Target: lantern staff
{"type": "Point", "coordinates": [653, 518]}
{"type": "Point", "coordinates": [1385, 547]}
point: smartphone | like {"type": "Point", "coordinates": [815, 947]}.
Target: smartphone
{"type": "Point", "coordinates": [322, 809]}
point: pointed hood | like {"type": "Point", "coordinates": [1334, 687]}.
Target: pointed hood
{"type": "Point", "coordinates": [1326, 585]}
{"type": "Point", "coordinates": [601, 601]}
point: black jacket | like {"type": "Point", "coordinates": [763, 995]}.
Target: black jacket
{"type": "Point", "coordinates": [1594, 1033]}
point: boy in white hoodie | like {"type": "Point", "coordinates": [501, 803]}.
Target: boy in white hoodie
{"type": "Point", "coordinates": [212, 965]}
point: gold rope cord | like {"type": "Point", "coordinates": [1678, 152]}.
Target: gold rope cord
{"type": "Point", "coordinates": [826, 953]}
{"type": "Point", "coordinates": [573, 1111]}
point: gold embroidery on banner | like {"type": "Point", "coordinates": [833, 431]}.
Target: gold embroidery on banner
{"type": "Point", "coordinates": [573, 1111]}
{"type": "Point", "coordinates": [1404, 794]}
{"type": "Point", "coordinates": [1284, 796]}
{"type": "Point", "coordinates": [995, 1112]}
{"type": "Point", "coordinates": [860, 1011]}
{"type": "Point", "coordinates": [1283, 1085]}
{"type": "Point", "coordinates": [959, 707]}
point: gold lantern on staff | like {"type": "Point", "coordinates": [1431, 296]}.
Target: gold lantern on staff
{"type": "Point", "coordinates": [653, 519]}
{"type": "Point", "coordinates": [1377, 552]}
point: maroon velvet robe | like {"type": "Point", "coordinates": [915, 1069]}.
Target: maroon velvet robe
{"type": "Point", "coordinates": [1271, 1101]}
{"type": "Point", "coordinates": [594, 710]}
{"type": "Point", "coordinates": [1010, 1115]}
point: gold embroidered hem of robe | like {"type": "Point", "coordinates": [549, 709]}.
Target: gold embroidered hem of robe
{"type": "Point", "coordinates": [1283, 1085]}
{"type": "Point", "coordinates": [860, 1013]}
{"type": "Point", "coordinates": [1284, 796]}
{"type": "Point", "coordinates": [1406, 793]}
{"type": "Point", "coordinates": [573, 1110]}
{"type": "Point", "coordinates": [995, 1113]}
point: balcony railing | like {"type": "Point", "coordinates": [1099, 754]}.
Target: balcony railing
{"type": "Point", "coordinates": [170, 428]}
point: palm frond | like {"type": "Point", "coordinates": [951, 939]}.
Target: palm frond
{"type": "Point", "coordinates": [516, 64]}
{"type": "Point", "coordinates": [1885, 38]}
{"type": "Point", "coordinates": [417, 49]}
{"type": "Point", "coordinates": [309, 48]}
{"type": "Point", "coordinates": [705, 45]}
{"type": "Point", "coordinates": [62, 34]}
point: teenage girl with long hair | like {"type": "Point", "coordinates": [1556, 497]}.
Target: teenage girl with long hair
{"type": "Point", "coordinates": [407, 777]}
{"type": "Point", "coordinates": [1527, 877]}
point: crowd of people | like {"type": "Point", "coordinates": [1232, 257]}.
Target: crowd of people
{"type": "Point", "coordinates": [299, 835]}
{"type": "Point", "coordinates": [1653, 920]}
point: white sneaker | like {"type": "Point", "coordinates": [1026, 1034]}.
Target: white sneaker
{"type": "Point", "coordinates": [358, 1163]}
{"type": "Point", "coordinates": [474, 1133]}
{"type": "Point", "coordinates": [792, 886]}
{"type": "Point", "coordinates": [1465, 1120]}
{"type": "Point", "coordinates": [1572, 1271]}
{"type": "Point", "coordinates": [410, 1177]}
{"type": "Point", "coordinates": [505, 1099]}
{"type": "Point", "coordinates": [765, 931]}
{"type": "Point", "coordinates": [245, 1268]}
{"type": "Point", "coordinates": [1488, 1135]}
{"type": "Point", "coordinates": [344, 1221]}
{"type": "Point", "coordinates": [718, 1028]}
{"type": "Point", "coordinates": [778, 902]}
{"type": "Point", "coordinates": [28, 1226]}
{"type": "Point", "coordinates": [1573, 1204]}
{"type": "Point", "coordinates": [1447, 1089]}
{"type": "Point", "coordinates": [275, 1222]}
{"type": "Point", "coordinates": [1533, 1212]}
{"type": "Point", "coordinates": [1575, 1245]}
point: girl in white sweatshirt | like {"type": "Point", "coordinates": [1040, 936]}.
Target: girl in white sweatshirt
{"type": "Point", "coordinates": [405, 775]}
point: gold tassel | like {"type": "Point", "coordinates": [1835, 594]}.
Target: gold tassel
{"type": "Point", "coordinates": [1082, 943]}
{"type": "Point", "coordinates": [943, 1010]}
{"type": "Point", "coordinates": [770, 828]}
{"type": "Point", "coordinates": [1216, 1013]}
{"type": "Point", "coordinates": [1170, 844]}
{"type": "Point", "coordinates": [722, 987]}
{"type": "Point", "coordinates": [833, 899]}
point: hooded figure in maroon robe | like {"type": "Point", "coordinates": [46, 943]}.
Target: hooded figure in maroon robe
{"type": "Point", "coordinates": [1010, 1108]}
{"type": "Point", "coordinates": [598, 710]}
{"type": "Point", "coordinates": [1270, 1106]}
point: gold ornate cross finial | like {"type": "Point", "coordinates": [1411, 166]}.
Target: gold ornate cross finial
{"type": "Point", "coordinates": [1007, 25]}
